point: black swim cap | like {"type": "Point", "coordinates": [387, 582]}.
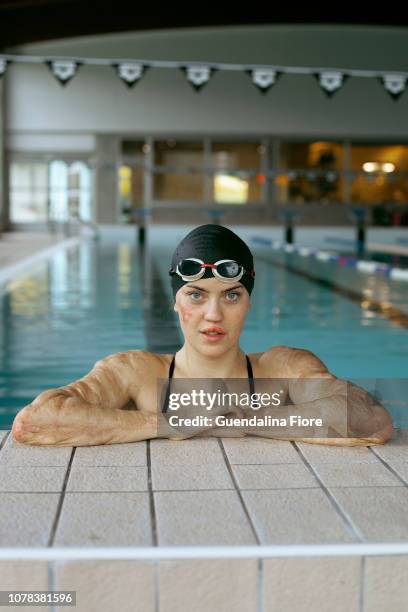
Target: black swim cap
{"type": "Point", "coordinates": [210, 243]}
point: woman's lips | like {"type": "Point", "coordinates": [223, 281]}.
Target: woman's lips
{"type": "Point", "coordinates": [213, 337]}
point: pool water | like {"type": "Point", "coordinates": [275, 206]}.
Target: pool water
{"type": "Point", "coordinates": [112, 295]}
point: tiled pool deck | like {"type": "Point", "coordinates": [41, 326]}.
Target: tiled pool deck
{"type": "Point", "coordinates": [210, 495]}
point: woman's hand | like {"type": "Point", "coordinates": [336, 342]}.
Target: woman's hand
{"type": "Point", "coordinates": [61, 420]}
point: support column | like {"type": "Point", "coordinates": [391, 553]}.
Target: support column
{"type": "Point", "coordinates": [3, 198]}
{"type": "Point", "coordinates": [346, 173]}
{"type": "Point", "coordinates": [106, 182]}
{"type": "Point", "coordinates": [275, 159]}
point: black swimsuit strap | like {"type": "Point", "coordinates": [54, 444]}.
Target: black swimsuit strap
{"type": "Point", "coordinates": [250, 375]}
{"type": "Point", "coordinates": [171, 370]}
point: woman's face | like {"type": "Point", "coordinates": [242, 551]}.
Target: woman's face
{"type": "Point", "coordinates": [210, 303]}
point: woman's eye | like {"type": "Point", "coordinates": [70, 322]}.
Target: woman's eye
{"type": "Point", "coordinates": [235, 294]}
{"type": "Point", "coordinates": [195, 293]}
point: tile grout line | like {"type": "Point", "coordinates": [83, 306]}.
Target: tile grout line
{"type": "Point", "coordinates": [389, 467]}
{"type": "Point", "coordinates": [260, 573]}
{"type": "Point", "coordinates": [353, 529]}
{"type": "Point", "coordinates": [266, 464]}
{"type": "Point", "coordinates": [90, 467]}
{"type": "Point", "coordinates": [245, 509]}
{"type": "Point", "coordinates": [153, 520]}
{"type": "Point", "coordinates": [153, 523]}
{"type": "Point", "coordinates": [188, 490]}
{"type": "Point", "coordinates": [61, 500]}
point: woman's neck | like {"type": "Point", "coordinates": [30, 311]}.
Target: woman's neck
{"type": "Point", "coordinates": [192, 364]}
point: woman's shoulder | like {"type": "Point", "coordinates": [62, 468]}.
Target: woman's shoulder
{"type": "Point", "coordinates": [136, 360]}
{"type": "Point", "coordinates": [146, 362]}
{"type": "Point", "coordinates": [289, 361]}
{"type": "Point", "coordinates": [274, 361]}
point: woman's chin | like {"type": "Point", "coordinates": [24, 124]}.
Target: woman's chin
{"type": "Point", "coordinates": [212, 348]}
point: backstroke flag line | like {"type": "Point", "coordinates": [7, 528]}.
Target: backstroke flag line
{"type": "Point", "coordinates": [198, 74]}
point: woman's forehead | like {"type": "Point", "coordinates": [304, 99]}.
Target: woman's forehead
{"type": "Point", "coordinates": [213, 285]}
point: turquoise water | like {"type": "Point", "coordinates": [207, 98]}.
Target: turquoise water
{"type": "Point", "coordinates": [109, 296]}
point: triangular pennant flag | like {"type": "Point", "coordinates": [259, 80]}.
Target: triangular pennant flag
{"type": "Point", "coordinates": [331, 81]}
{"type": "Point", "coordinates": [394, 84]}
{"type": "Point", "coordinates": [63, 70]}
{"type": "Point", "coordinates": [130, 72]}
{"type": "Point", "coordinates": [263, 78]}
{"type": "Point", "coordinates": [198, 76]}
{"type": "Point", "coordinates": [3, 66]}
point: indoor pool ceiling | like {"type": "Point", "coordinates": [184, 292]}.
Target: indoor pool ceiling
{"type": "Point", "coordinates": [27, 21]}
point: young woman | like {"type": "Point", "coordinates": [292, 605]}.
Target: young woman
{"type": "Point", "coordinates": [212, 276]}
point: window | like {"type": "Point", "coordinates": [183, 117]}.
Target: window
{"type": "Point", "coordinates": [310, 172]}
{"type": "Point", "coordinates": [64, 187]}
{"type": "Point", "coordinates": [125, 188]}
{"type": "Point", "coordinates": [131, 176]}
{"type": "Point", "coordinates": [80, 190]}
{"type": "Point", "coordinates": [237, 172]}
{"type": "Point", "coordinates": [379, 173]}
{"type": "Point", "coordinates": [70, 191]}
{"type": "Point", "coordinates": [178, 171]}
{"type": "Point", "coordinates": [59, 191]}
{"type": "Point", "coordinates": [28, 192]}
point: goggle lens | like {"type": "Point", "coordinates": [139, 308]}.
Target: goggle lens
{"type": "Point", "coordinates": [189, 268]}
{"type": "Point", "coordinates": [228, 269]}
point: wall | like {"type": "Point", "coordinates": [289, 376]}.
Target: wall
{"type": "Point", "coordinates": [96, 101]}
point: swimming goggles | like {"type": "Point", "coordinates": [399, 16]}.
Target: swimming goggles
{"type": "Point", "coordinates": [225, 270]}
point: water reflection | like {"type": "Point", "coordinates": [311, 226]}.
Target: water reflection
{"type": "Point", "coordinates": [56, 321]}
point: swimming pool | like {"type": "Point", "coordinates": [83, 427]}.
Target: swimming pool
{"type": "Point", "coordinates": [109, 296]}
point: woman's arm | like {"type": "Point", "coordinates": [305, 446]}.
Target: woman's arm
{"type": "Point", "coordinates": [88, 411]}
{"type": "Point", "coordinates": [349, 412]}
{"type": "Point", "coordinates": [365, 419]}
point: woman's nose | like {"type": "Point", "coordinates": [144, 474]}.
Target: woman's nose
{"type": "Point", "coordinates": [213, 311]}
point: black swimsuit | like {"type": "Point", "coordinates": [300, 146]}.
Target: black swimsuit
{"type": "Point", "coordinates": [171, 370]}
